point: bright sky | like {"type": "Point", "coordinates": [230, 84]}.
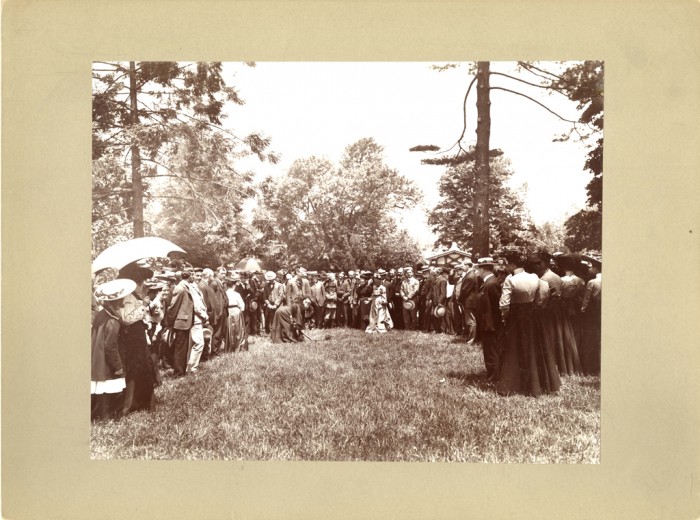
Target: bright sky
{"type": "Point", "coordinates": [320, 108]}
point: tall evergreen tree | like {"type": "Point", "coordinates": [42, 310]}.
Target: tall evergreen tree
{"type": "Point", "coordinates": [139, 109]}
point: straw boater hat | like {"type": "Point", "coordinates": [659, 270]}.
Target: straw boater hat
{"type": "Point", "coordinates": [439, 311]}
{"type": "Point", "coordinates": [409, 305]}
{"type": "Point", "coordinates": [485, 261]}
{"type": "Point", "coordinates": [270, 275]}
{"type": "Point", "coordinates": [114, 290]}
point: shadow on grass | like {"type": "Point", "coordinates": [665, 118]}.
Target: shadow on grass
{"type": "Point", "coordinates": [477, 380]}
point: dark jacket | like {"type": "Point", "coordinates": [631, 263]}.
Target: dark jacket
{"type": "Point", "coordinates": [469, 292]}
{"type": "Point", "coordinates": [488, 310]}
{"type": "Point", "coordinates": [105, 353]}
{"type": "Point", "coordinates": [440, 290]}
{"type": "Point", "coordinates": [210, 300]}
{"type": "Point", "coordinates": [180, 313]}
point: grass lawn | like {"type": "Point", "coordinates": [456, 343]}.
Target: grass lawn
{"type": "Point", "coordinates": [402, 396]}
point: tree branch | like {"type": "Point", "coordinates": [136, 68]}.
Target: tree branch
{"type": "Point", "coordinates": [464, 109]}
{"type": "Point", "coordinates": [529, 83]}
{"type": "Point", "coordinates": [534, 101]}
{"type": "Point", "coordinates": [173, 174]}
{"type": "Point", "coordinates": [102, 217]}
{"type": "Point", "coordinates": [529, 66]}
{"type": "Point", "coordinates": [111, 194]}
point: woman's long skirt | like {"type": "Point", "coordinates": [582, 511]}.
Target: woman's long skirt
{"type": "Point", "coordinates": [379, 319]}
{"type": "Point", "coordinates": [590, 339]}
{"type": "Point", "coordinates": [527, 363]}
{"type": "Point", "coordinates": [107, 399]}
{"type": "Point", "coordinates": [138, 368]}
{"type": "Point", "coordinates": [237, 331]}
{"type": "Point", "coordinates": [561, 336]}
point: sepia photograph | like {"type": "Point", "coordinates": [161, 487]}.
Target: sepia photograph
{"type": "Point", "coordinates": [347, 261]}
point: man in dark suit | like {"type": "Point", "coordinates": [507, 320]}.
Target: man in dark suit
{"type": "Point", "coordinates": [426, 299]}
{"type": "Point", "coordinates": [210, 299]}
{"type": "Point", "coordinates": [468, 294]}
{"type": "Point", "coordinates": [220, 324]}
{"type": "Point", "coordinates": [180, 318]}
{"type": "Point", "coordinates": [439, 297]}
{"type": "Point", "coordinates": [489, 317]}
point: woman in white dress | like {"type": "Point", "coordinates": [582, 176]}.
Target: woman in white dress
{"type": "Point", "coordinates": [379, 318]}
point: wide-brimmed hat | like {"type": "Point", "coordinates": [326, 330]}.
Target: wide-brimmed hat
{"type": "Point", "coordinates": [135, 271]}
{"type": "Point", "coordinates": [168, 276]}
{"type": "Point", "coordinates": [439, 311]}
{"type": "Point", "coordinates": [592, 260]}
{"type": "Point", "coordinates": [115, 289]}
{"type": "Point", "coordinates": [409, 305]}
{"type": "Point", "coordinates": [486, 261]}
{"type": "Point", "coordinates": [270, 275]}
{"type": "Point", "coordinates": [568, 260]}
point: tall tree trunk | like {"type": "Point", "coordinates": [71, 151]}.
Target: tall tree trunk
{"type": "Point", "coordinates": [136, 182]}
{"type": "Point", "coordinates": [480, 247]}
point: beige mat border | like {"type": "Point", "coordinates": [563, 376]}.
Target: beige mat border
{"type": "Point", "coordinates": [650, 431]}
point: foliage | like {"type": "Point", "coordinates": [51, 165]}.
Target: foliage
{"type": "Point", "coordinates": [173, 99]}
{"type": "Point", "coordinates": [201, 204]}
{"type": "Point", "coordinates": [584, 230]}
{"type": "Point", "coordinates": [111, 207]}
{"type": "Point", "coordinates": [584, 84]}
{"type": "Point", "coordinates": [451, 219]}
{"type": "Point", "coordinates": [402, 396]}
{"type": "Point", "coordinates": [550, 236]}
{"type": "Point", "coordinates": [344, 213]}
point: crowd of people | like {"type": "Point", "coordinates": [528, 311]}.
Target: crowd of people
{"type": "Point", "coordinates": [536, 317]}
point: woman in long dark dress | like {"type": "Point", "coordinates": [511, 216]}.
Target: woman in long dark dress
{"type": "Point", "coordinates": [559, 332]}
{"type": "Point", "coordinates": [590, 334]}
{"type": "Point", "coordinates": [134, 346]}
{"type": "Point", "coordinates": [572, 290]}
{"type": "Point", "coordinates": [527, 364]}
{"type": "Point", "coordinates": [107, 382]}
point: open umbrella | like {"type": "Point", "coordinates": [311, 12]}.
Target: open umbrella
{"type": "Point", "coordinates": [250, 265]}
{"type": "Point", "coordinates": [118, 255]}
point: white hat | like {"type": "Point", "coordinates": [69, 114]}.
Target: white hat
{"type": "Point", "coordinates": [270, 275]}
{"type": "Point", "coordinates": [114, 290]}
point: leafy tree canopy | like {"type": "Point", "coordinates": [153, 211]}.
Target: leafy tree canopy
{"type": "Point", "coordinates": [163, 120]}
{"type": "Point", "coordinates": [337, 217]}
